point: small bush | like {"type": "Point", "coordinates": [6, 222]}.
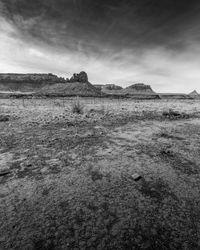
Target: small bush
{"type": "Point", "coordinates": [171, 114]}
{"type": "Point", "coordinates": [77, 107]}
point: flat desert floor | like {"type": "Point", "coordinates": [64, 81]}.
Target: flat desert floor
{"type": "Point", "coordinates": [122, 175]}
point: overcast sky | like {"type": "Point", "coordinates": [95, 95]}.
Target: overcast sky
{"type": "Point", "coordinates": [115, 41]}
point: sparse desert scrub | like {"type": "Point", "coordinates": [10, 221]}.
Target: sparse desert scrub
{"type": "Point", "coordinates": [171, 114]}
{"type": "Point", "coordinates": [77, 107]}
{"type": "Point", "coordinates": [70, 184]}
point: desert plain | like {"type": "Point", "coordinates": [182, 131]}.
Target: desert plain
{"type": "Point", "coordinates": [122, 174]}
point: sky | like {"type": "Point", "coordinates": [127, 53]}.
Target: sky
{"type": "Point", "coordinates": [121, 42]}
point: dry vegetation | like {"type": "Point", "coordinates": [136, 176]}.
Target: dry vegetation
{"type": "Point", "coordinates": [66, 177]}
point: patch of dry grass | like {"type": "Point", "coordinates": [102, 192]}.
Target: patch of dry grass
{"type": "Point", "coordinates": [77, 107]}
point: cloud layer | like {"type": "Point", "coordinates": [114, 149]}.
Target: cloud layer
{"type": "Point", "coordinates": [121, 42]}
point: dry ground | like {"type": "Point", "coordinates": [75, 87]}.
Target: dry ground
{"type": "Point", "coordinates": [68, 182]}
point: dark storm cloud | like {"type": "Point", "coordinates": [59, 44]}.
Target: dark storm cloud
{"type": "Point", "coordinates": [97, 26]}
{"type": "Point", "coordinates": [114, 41]}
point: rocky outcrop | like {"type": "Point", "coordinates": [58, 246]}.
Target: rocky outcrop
{"type": "Point", "coordinates": [81, 77]}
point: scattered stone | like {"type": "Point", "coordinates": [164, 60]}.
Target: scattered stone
{"type": "Point", "coordinates": [136, 177]}
{"type": "Point", "coordinates": [4, 118]}
{"type": "Point", "coordinates": [4, 172]}
{"type": "Point", "coordinates": [146, 245]}
{"type": "Point", "coordinates": [96, 175]}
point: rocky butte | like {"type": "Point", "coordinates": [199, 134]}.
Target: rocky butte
{"type": "Point", "coordinates": [77, 85]}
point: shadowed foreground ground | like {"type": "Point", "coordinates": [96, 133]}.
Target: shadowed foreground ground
{"type": "Point", "coordinates": [70, 183]}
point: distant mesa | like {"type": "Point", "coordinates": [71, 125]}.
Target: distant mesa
{"type": "Point", "coordinates": [192, 95]}
{"type": "Point", "coordinates": [27, 82]}
{"type": "Point", "coordinates": [135, 91]}
{"type": "Point", "coordinates": [140, 91]}
{"type": "Point", "coordinates": [31, 78]}
{"type": "Point", "coordinates": [140, 88]}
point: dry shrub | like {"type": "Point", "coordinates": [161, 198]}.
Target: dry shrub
{"type": "Point", "coordinates": [171, 114]}
{"type": "Point", "coordinates": [77, 107]}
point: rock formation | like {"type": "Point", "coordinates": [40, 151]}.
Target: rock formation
{"type": "Point", "coordinates": [77, 85]}
{"type": "Point", "coordinates": [140, 91]}
{"type": "Point", "coordinates": [140, 88]}
{"type": "Point", "coordinates": [81, 77]}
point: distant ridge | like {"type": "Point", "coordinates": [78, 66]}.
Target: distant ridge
{"type": "Point", "coordinates": [42, 84]}
{"type": "Point", "coordinates": [174, 96]}
{"type": "Point", "coordinates": [135, 91]}
{"type": "Point", "coordinates": [27, 82]}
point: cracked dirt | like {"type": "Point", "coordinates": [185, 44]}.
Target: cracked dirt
{"type": "Point", "coordinates": [69, 183]}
